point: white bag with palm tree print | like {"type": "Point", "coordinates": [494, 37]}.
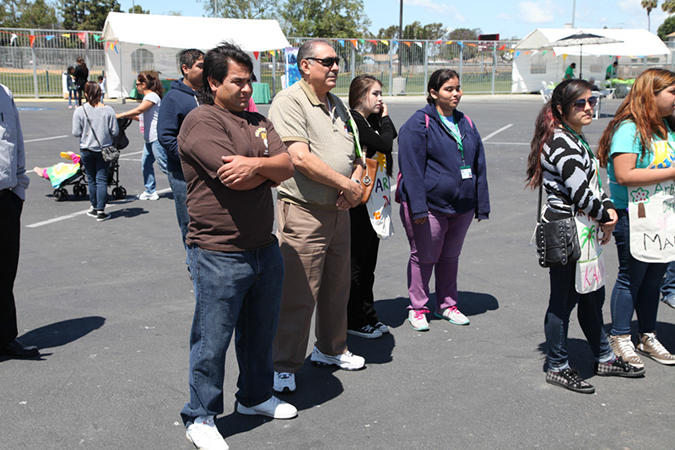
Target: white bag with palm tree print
{"type": "Point", "coordinates": [590, 273]}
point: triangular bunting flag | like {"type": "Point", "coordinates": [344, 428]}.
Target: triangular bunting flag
{"type": "Point", "coordinates": [31, 39]}
{"type": "Point", "coordinates": [14, 36]}
{"type": "Point", "coordinates": [50, 37]}
{"type": "Point", "coordinates": [420, 44]}
{"type": "Point", "coordinates": [385, 42]}
{"type": "Point", "coordinates": [503, 47]}
{"type": "Point", "coordinates": [406, 43]}
{"type": "Point", "coordinates": [97, 38]}
{"type": "Point", "coordinates": [67, 35]}
{"type": "Point", "coordinates": [81, 36]}
{"type": "Point", "coordinates": [438, 41]}
{"type": "Point", "coordinates": [449, 42]}
{"type": "Point", "coordinates": [353, 41]}
{"type": "Point", "coordinates": [517, 54]}
{"type": "Point", "coordinates": [256, 54]}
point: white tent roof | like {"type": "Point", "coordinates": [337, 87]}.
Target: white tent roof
{"type": "Point", "coordinates": [636, 42]}
{"type": "Point", "coordinates": [194, 32]}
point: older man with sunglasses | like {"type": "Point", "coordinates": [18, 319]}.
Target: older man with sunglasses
{"type": "Point", "coordinates": [313, 218]}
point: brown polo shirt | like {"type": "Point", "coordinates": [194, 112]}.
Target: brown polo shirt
{"type": "Point", "coordinates": [298, 115]}
{"type": "Point", "coordinates": [221, 218]}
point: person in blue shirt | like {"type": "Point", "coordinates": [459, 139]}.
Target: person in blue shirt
{"type": "Point", "coordinates": [632, 150]}
{"type": "Point", "coordinates": [443, 186]}
{"type": "Point", "coordinates": [175, 106]}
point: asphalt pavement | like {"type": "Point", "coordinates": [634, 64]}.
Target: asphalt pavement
{"type": "Point", "coordinates": [110, 305]}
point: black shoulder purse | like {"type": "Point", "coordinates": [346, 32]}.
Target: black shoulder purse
{"type": "Point", "coordinates": [557, 240]}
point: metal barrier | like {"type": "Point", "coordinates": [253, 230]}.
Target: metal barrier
{"type": "Point", "coordinates": [32, 62]}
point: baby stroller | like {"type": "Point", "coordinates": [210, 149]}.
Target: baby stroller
{"type": "Point", "coordinates": [120, 141]}
{"type": "Point", "coordinates": [65, 174]}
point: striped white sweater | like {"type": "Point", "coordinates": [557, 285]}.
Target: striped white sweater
{"type": "Point", "coordinates": [567, 172]}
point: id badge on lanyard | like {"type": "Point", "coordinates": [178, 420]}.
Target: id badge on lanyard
{"type": "Point", "coordinates": [464, 169]}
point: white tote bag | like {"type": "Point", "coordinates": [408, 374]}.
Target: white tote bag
{"type": "Point", "coordinates": [379, 203]}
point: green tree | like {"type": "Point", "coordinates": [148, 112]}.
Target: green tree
{"type": "Point", "coordinates": [388, 33]}
{"type": "Point", "coordinates": [324, 18]}
{"type": "Point", "coordinates": [667, 27]}
{"type": "Point", "coordinates": [241, 9]}
{"type": "Point", "coordinates": [464, 34]}
{"type": "Point", "coordinates": [86, 14]}
{"type": "Point", "coordinates": [24, 14]}
{"type": "Point", "coordinates": [668, 6]}
{"type": "Point", "coordinates": [649, 5]}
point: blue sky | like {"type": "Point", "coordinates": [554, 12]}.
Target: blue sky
{"type": "Point", "coordinates": [508, 18]}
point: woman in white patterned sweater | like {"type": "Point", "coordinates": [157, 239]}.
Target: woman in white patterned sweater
{"type": "Point", "coordinates": [561, 161]}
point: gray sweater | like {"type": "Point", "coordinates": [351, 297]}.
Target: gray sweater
{"type": "Point", "coordinates": [104, 122]}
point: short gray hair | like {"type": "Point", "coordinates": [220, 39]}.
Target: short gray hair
{"type": "Point", "coordinates": [308, 49]}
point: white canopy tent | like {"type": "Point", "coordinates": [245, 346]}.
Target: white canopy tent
{"type": "Point", "coordinates": [536, 61]}
{"type": "Point", "coordinates": [142, 42]}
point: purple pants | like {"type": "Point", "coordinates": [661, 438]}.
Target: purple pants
{"type": "Point", "coordinates": [435, 244]}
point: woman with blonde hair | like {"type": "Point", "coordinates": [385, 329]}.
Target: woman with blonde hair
{"type": "Point", "coordinates": [643, 123]}
{"type": "Point", "coordinates": [147, 113]}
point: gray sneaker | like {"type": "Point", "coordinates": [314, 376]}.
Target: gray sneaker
{"type": "Point", "coordinates": [651, 347]}
{"type": "Point", "coordinates": [622, 345]}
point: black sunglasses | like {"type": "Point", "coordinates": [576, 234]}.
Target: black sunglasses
{"type": "Point", "coordinates": [581, 103]}
{"type": "Point", "coordinates": [326, 62]}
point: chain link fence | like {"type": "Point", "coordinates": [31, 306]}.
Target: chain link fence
{"type": "Point", "coordinates": [32, 62]}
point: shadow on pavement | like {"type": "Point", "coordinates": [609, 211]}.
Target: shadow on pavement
{"type": "Point", "coordinates": [59, 334]}
{"type": "Point", "coordinates": [127, 213]}
{"type": "Point", "coordinates": [315, 386]}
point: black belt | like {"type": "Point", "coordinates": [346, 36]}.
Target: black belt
{"type": "Point", "coordinates": [4, 193]}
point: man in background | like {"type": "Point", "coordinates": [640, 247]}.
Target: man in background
{"type": "Point", "coordinates": [182, 98]}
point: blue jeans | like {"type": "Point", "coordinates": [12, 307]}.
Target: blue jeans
{"type": "Point", "coordinates": [637, 285]}
{"type": "Point", "coordinates": [668, 287]}
{"type": "Point", "coordinates": [561, 302]}
{"type": "Point", "coordinates": [152, 151]}
{"type": "Point", "coordinates": [179, 189]}
{"type": "Point", "coordinates": [97, 177]}
{"type": "Point", "coordinates": [235, 292]}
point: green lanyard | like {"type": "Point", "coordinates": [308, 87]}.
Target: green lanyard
{"type": "Point", "coordinates": [455, 134]}
{"type": "Point", "coordinates": [588, 149]}
{"type": "Point", "coordinates": [355, 132]}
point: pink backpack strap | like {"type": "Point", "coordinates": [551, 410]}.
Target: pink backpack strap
{"type": "Point", "coordinates": [426, 120]}
{"type": "Point", "coordinates": [469, 119]}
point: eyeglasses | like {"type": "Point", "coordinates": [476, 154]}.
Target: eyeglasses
{"type": "Point", "coordinates": [138, 83]}
{"type": "Point", "coordinates": [326, 62]}
{"type": "Point", "coordinates": [581, 103]}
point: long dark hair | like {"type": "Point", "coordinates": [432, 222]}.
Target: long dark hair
{"type": "Point", "coordinates": [151, 83]}
{"type": "Point", "coordinates": [92, 91]}
{"type": "Point", "coordinates": [640, 108]}
{"type": "Point", "coordinates": [217, 66]}
{"type": "Point", "coordinates": [359, 88]}
{"type": "Point", "coordinates": [437, 80]}
{"type": "Point", "coordinates": [550, 118]}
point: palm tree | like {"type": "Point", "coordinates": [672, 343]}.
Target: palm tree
{"type": "Point", "coordinates": [649, 5]}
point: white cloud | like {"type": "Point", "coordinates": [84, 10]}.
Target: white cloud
{"type": "Point", "coordinates": [503, 17]}
{"type": "Point", "coordinates": [537, 12]}
{"type": "Point", "coordinates": [430, 6]}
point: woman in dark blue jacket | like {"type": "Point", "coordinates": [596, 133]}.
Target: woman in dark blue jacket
{"type": "Point", "coordinates": [443, 186]}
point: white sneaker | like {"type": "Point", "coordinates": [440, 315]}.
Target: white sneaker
{"type": "Point", "coordinates": [204, 434]}
{"type": "Point", "coordinates": [345, 361]}
{"type": "Point", "coordinates": [452, 315]}
{"type": "Point", "coordinates": [284, 381]}
{"type": "Point", "coordinates": [418, 319]}
{"type": "Point", "coordinates": [149, 196]}
{"type": "Point", "coordinates": [274, 408]}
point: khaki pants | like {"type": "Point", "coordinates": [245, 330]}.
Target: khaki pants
{"type": "Point", "coordinates": [315, 245]}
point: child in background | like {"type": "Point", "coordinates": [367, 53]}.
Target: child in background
{"type": "Point", "coordinates": [101, 84]}
{"type": "Point", "coordinates": [60, 172]}
{"type": "Point", "coordinates": [72, 87]}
